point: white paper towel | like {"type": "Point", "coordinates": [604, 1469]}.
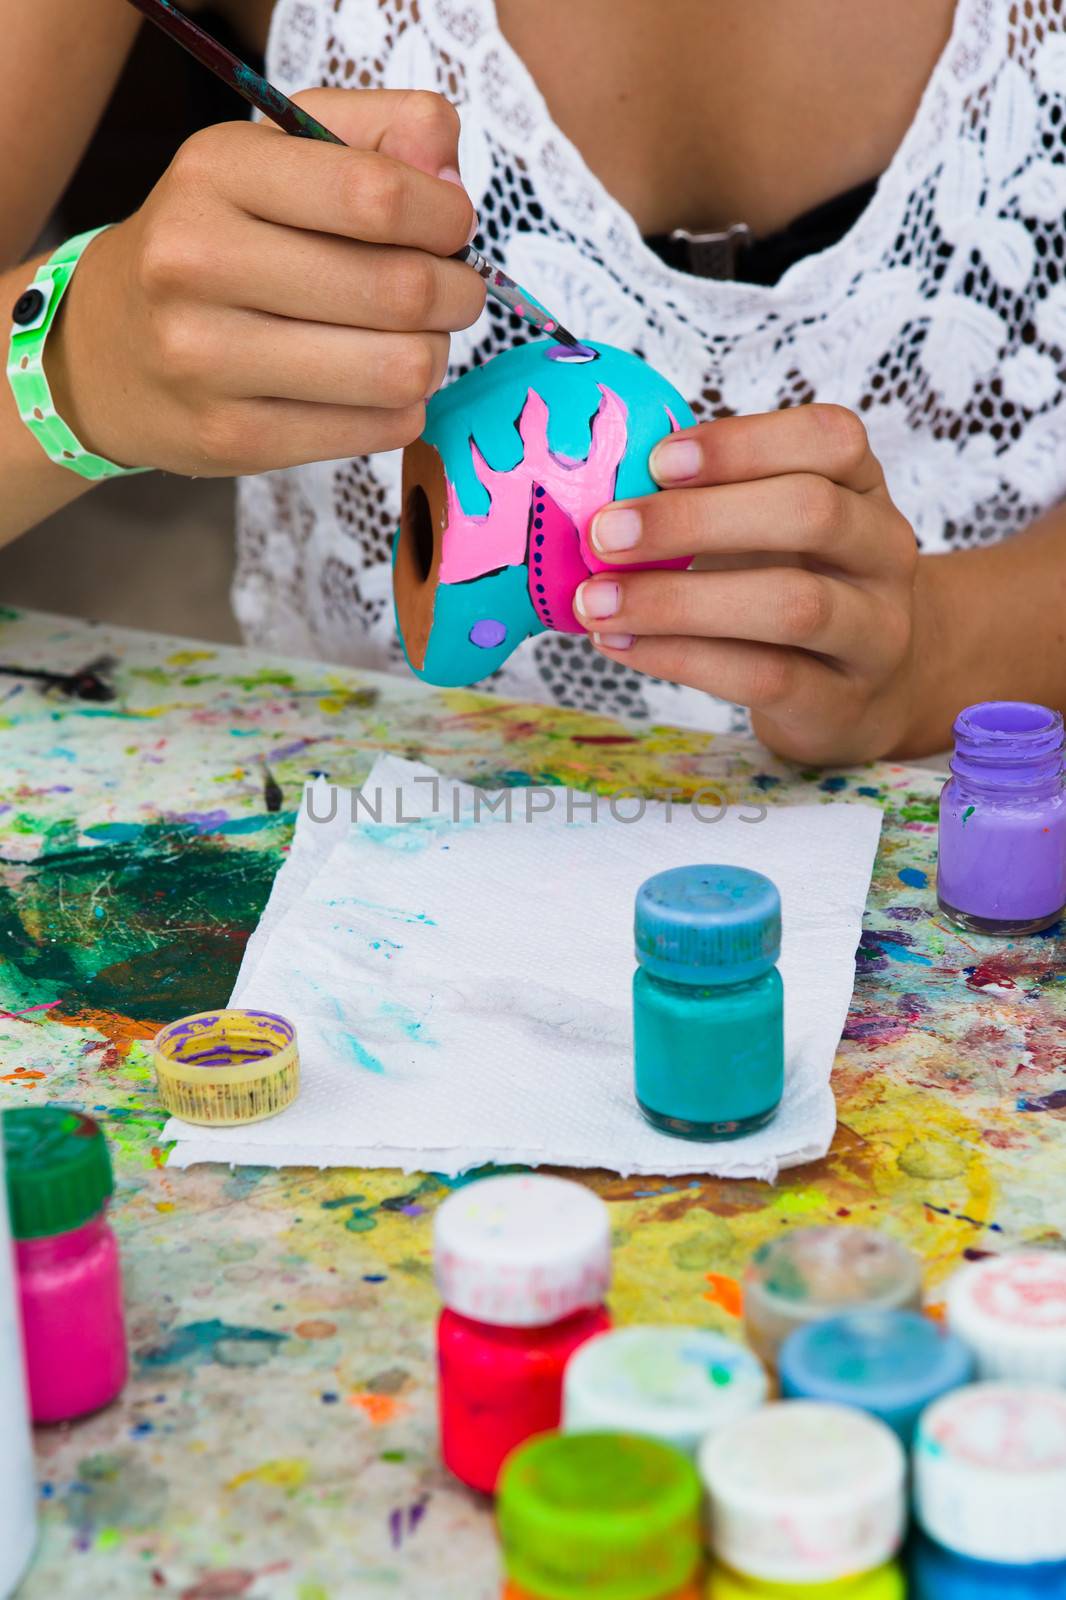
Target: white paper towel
{"type": "Point", "coordinates": [461, 989]}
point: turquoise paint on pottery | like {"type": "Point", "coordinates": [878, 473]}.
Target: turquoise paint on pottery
{"type": "Point", "coordinates": [708, 1003]}
{"type": "Point", "coordinates": [516, 459]}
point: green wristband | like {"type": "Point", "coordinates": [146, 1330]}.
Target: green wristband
{"type": "Point", "coordinates": [33, 316]}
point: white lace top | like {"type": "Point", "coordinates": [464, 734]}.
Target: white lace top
{"type": "Point", "coordinates": [940, 317]}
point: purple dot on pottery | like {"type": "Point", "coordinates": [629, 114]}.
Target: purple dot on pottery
{"type": "Point", "coordinates": [487, 633]}
{"type": "Point", "coordinates": [574, 352]}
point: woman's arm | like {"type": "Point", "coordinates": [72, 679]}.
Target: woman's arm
{"type": "Point", "coordinates": [62, 62]}
{"type": "Point", "coordinates": [67, 67]}
{"type": "Point", "coordinates": [990, 624]}
{"type": "Point", "coordinates": [274, 301]}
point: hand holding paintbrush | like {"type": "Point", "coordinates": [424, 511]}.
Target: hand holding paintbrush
{"type": "Point", "coordinates": [293, 118]}
{"type": "Point", "coordinates": [276, 300]}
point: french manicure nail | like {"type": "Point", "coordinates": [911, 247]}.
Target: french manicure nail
{"type": "Point", "coordinates": [613, 641]}
{"type": "Point", "coordinates": [676, 461]}
{"type": "Point", "coordinates": [598, 600]}
{"type": "Point", "coordinates": [616, 530]}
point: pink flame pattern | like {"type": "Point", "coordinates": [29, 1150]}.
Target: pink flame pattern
{"type": "Point", "coordinates": [474, 545]}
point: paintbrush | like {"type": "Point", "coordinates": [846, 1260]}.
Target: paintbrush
{"type": "Point", "coordinates": [292, 119]}
{"type": "Point", "coordinates": [88, 683]}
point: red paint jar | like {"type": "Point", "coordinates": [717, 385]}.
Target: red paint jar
{"type": "Point", "coordinates": [523, 1264]}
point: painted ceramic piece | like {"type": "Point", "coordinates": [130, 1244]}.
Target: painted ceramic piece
{"type": "Point", "coordinates": [498, 494]}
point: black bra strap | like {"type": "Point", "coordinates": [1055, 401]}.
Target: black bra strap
{"type": "Point", "coordinates": [736, 254]}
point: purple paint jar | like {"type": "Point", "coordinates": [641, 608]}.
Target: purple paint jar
{"type": "Point", "coordinates": [59, 1182]}
{"type": "Point", "coordinates": [1002, 862]}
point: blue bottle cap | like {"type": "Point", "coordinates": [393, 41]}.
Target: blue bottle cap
{"type": "Point", "coordinates": [890, 1363]}
{"type": "Point", "coordinates": [939, 1574]}
{"type": "Point", "coordinates": [708, 925]}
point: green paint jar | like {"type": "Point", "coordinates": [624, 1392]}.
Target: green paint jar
{"type": "Point", "coordinates": [599, 1516]}
{"type": "Point", "coordinates": [708, 1002]}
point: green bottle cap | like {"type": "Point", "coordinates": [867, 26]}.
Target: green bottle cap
{"type": "Point", "coordinates": [58, 1170]}
{"type": "Point", "coordinates": [599, 1516]}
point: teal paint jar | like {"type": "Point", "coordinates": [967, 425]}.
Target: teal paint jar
{"type": "Point", "coordinates": [708, 1002]}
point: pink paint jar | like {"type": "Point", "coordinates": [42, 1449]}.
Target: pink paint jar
{"type": "Point", "coordinates": [523, 1264]}
{"type": "Point", "coordinates": [59, 1181]}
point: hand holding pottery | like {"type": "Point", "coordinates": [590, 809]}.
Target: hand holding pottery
{"type": "Point", "coordinates": [516, 459]}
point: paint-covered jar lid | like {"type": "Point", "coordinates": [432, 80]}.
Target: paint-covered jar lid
{"type": "Point", "coordinates": [803, 1492]}
{"type": "Point", "coordinates": [671, 1383]}
{"type": "Point", "coordinates": [58, 1170]}
{"type": "Point", "coordinates": [522, 1251]}
{"type": "Point", "coordinates": [708, 925]}
{"type": "Point", "coordinates": [810, 1273]}
{"type": "Point", "coordinates": [890, 1363]}
{"type": "Point", "coordinates": [990, 1473]}
{"type": "Point", "coordinates": [599, 1516]}
{"type": "Point", "coordinates": [1011, 1311]}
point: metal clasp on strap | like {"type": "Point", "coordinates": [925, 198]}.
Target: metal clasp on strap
{"type": "Point", "coordinates": [714, 255]}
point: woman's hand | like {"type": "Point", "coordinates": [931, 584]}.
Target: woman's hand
{"type": "Point", "coordinates": [802, 600]}
{"type": "Point", "coordinates": [275, 300]}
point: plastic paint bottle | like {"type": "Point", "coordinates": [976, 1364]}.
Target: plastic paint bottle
{"type": "Point", "coordinates": [937, 1574]}
{"type": "Point", "coordinates": [990, 1493]}
{"type": "Point", "coordinates": [522, 1264]}
{"type": "Point", "coordinates": [811, 1273]}
{"type": "Point", "coordinates": [890, 1363]}
{"type": "Point", "coordinates": [59, 1182]}
{"type": "Point", "coordinates": [670, 1383]}
{"type": "Point", "coordinates": [805, 1493]}
{"type": "Point", "coordinates": [887, 1583]}
{"type": "Point", "coordinates": [18, 1489]}
{"type": "Point", "coordinates": [708, 1004]}
{"type": "Point", "coordinates": [1011, 1312]}
{"type": "Point", "coordinates": [600, 1516]}
{"type": "Point", "coordinates": [1002, 859]}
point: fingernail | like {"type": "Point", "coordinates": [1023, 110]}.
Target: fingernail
{"type": "Point", "coordinates": [616, 530]}
{"type": "Point", "coordinates": [676, 461]}
{"type": "Point", "coordinates": [597, 600]}
{"type": "Point", "coordinates": [613, 641]}
{"type": "Point", "coordinates": [453, 175]}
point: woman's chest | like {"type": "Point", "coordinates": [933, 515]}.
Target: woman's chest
{"type": "Point", "coordinates": [700, 113]}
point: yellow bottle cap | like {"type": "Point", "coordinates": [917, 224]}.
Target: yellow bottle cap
{"type": "Point", "coordinates": [226, 1067]}
{"type": "Point", "coordinates": [886, 1583]}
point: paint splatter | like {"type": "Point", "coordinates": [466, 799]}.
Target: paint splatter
{"type": "Point", "coordinates": [914, 877]}
{"type": "Point", "coordinates": [379, 1409]}
{"type": "Point", "coordinates": [726, 1293]}
{"type": "Point", "coordinates": [284, 1474]}
{"type": "Point", "coordinates": [197, 1343]}
{"type": "Point", "coordinates": [404, 1521]}
{"type": "Point", "coordinates": [1048, 1102]}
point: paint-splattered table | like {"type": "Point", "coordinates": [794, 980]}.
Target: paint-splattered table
{"type": "Point", "coordinates": [276, 1441]}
